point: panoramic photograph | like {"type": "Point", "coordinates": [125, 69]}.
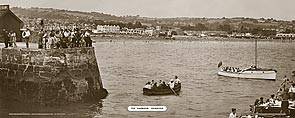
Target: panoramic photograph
{"type": "Point", "coordinates": [147, 59]}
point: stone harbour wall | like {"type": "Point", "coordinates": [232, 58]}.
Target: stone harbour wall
{"type": "Point", "coordinates": [50, 76]}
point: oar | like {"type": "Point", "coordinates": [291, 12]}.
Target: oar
{"type": "Point", "coordinates": [173, 91]}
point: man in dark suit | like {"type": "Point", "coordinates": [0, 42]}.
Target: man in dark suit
{"type": "Point", "coordinates": [5, 37]}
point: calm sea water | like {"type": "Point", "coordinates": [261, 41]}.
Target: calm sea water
{"type": "Point", "coordinates": [127, 65]}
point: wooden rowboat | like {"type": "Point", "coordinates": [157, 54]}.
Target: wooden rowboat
{"type": "Point", "coordinates": [162, 91]}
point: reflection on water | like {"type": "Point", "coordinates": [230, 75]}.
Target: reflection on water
{"type": "Point", "coordinates": [127, 65]}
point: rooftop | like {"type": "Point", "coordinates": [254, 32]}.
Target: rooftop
{"type": "Point", "coordinates": [4, 7]}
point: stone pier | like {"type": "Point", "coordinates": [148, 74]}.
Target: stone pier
{"type": "Point", "coordinates": [50, 76]}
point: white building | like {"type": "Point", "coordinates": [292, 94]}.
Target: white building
{"type": "Point", "coordinates": [149, 32]}
{"type": "Point", "coordinates": [107, 29]}
{"type": "Point", "coordinates": [138, 31]}
{"type": "Point", "coordinates": [282, 35]}
{"type": "Point", "coordinates": [158, 28]}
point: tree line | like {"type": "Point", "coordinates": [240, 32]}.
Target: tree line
{"type": "Point", "coordinates": [256, 29]}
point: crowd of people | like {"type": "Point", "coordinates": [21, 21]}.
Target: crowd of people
{"type": "Point", "coordinates": [285, 93]}
{"type": "Point", "coordinates": [64, 38]}
{"type": "Point", "coordinates": [162, 84]}
{"type": "Point", "coordinates": [271, 101]}
{"type": "Point", "coordinates": [9, 38]}
{"type": "Point", "coordinates": [231, 69]}
{"type": "Point", "coordinates": [51, 39]}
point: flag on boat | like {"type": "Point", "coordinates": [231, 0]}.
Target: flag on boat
{"type": "Point", "coordinates": [219, 64]}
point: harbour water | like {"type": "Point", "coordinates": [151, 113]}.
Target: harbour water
{"type": "Point", "coordinates": [126, 65]}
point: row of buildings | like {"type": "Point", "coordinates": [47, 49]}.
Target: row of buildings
{"type": "Point", "coordinates": [151, 31]}
{"type": "Point", "coordinates": [113, 29]}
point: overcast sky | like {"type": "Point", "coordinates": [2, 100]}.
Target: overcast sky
{"type": "Point", "coordinates": [278, 9]}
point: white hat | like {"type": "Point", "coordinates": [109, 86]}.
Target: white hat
{"type": "Point", "coordinates": [171, 80]}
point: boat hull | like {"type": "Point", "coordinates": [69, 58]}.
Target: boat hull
{"type": "Point", "coordinates": [162, 91]}
{"type": "Point", "coordinates": [259, 74]}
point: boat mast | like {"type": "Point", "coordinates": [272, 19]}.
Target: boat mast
{"type": "Point", "coordinates": [256, 53]}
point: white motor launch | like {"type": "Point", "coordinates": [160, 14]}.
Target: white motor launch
{"type": "Point", "coordinates": [252, 73]}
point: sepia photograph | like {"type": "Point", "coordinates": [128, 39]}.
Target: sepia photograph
{"type": "Point", "coordinates": [147, 59]}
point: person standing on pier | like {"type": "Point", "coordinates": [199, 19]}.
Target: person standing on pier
{"type": "Point", "coordinates": [65, 40]}
{"type": "Point", "coordinates": [73, 39]}
{"type": "Point", "coordinates": [87, 39]}
{"type": "Point", "coordinates": [59, 36]}
{"type": "Point", "coordinates": [5, 37]}
{"type": "Point", "coordinates": [13, 37]}
{"type": "Point", "coordinates": [45, 39]}
{"type": "Point", "coordinates": [40, 41]}
{"type": "Point", "coordinates": [233, 113]}
{"type": "Point", "coordinates": [52, 40]}
{"type": "Point", "coordinates": [26, 36]}
{"type": "Point", "coordinates": [78, 38]}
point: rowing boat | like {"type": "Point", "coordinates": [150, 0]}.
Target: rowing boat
{"type": "Point", "coordinates": [162, 91]}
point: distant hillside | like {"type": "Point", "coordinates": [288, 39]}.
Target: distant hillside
{"type": "Point", "coordinates": [56, 14]}
{"type": "Point", "coordinates": [237, 24]}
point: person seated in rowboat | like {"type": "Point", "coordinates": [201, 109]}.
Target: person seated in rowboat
{"type": "Point", "coordinates": [223, 68]}
{"type": "Point", "coordinates": [226, 68]}
{"type": "Point", "coordinates": [177, 80]}
{"type": "Point", "coordinates": [148, 85]}
{"type": "Point", "coordinates": [171, 84]}
{"type": "Point", "coordinates": [239, 70]}
{"type": "Point", "coordinates": [153, 82]}
{"type": "Point", "coordinates": [229, 69]}
{"type": "Point", "coordinates": [164, 84]}
{"type": "Point", "coordinates": [160, 83]}
{"type": "Point", "coordinates": [233, 113]}
{"type": "Point", "coordinates": [272, 99]}
{"type": "Point", "coordinates": [154, 86]}
{"type": "Point", "coordinates": [232, 69]}
{"type": "Point", "coordinates": [256, 103]}
{"type": "Point", "coordinates": [261, 101]}
{"type": "Point", "coordinates": [292, 92]}
{"type": "Point", "coordinates": [267, 101]}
